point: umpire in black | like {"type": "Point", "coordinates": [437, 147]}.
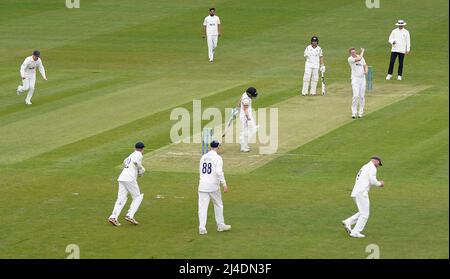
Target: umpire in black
{"type": "Point", "coordinates": [401, 45]}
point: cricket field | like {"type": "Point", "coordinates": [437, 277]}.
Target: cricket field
{"type": "Point", "coordinates": [117, 69]}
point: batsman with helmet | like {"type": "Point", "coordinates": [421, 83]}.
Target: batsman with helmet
{"type": "Point", "coordinates": [247, 120]}
{"type": "Point", "coordinates": [314, 60]}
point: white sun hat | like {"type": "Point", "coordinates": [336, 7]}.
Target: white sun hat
{"type": "Point", "coordinates": [400, 22]}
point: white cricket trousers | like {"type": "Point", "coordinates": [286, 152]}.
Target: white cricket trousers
{"type": "Point", "coordinates": [248, 129]}
{"type": "Point", "coordinates": [126, 187]}
{"type": "Point", "coordinates": [359, 91]}
{"type": "Point", "coordinates": [28, 85]}
{"type": "Point", "coordinates": [360, 218]}
{"type": "Point", "coordinates": [203, 203]}
{"type": "Point", "coordinates": [212, 44]}
{"type": "Point", "coordinates": [310, 71]}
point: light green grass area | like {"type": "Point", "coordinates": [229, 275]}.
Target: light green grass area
{"type": "Point", "coordinates": [299, 121]}
{"type": "Point", "coordinates": [117, 69]}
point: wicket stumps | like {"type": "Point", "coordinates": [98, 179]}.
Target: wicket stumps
{"type": "Point", "coordinates": [207, 134]}
{"type": "Point", "coordinates": [370, 79]}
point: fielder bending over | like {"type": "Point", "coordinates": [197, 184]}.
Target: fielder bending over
{"type": "Point", "coordinates": [28, 75]}
{"type": "Point", "coordinates": [366, 177]}
{"type": "Point", "coordinates": [314, 57]}
{"type": "Point", "coordinates": [211, 176]}
{"type": "Point", "coordinates": [132, 168]}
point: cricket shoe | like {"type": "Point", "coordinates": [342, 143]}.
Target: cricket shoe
{"type": "Point", "coordinates": [202, 231]}
{"type": "Point", "coordinates": [245, 149]}
{"type": "Point", "coordinates": [223, 228]}
{"type": "Point", "coordinates": [388, 77]}
{"type": "Point", "coordinates": [114, 222]}
{"type": "Point", "coordinates": [28, 103]}
{"type": "Point", "coordinates": [313, 94]}
{"type": "Point", "coordinates": [399, 78]}
{"type": "Point", "coordinates": [353, 116]}
{"type": "Point", "coordinates": [357, 235]}
{"type": "Point", "coordinates": [131, 220]}
{"type": "Point", "coordinates": [347, 227]}
{"type": "Point", "coordinates": [360, 116]}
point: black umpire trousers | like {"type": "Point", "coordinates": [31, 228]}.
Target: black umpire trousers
{"type": "Point", "coordinates": [401, 57]}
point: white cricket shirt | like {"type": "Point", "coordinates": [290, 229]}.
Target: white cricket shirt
{"type": "Point", "coordinates": [211, 172]}
{"type": "Point", "coordinates": [402, 40]}
{"type": "Point", "coordinates": [131, 165]}
{"type": "Point", "coordinates": [246, 101]}
{"type": "Point", "coordinates": [28, 68]}
{"type": "Point", "coordinates": [312, 56]}
{"type": "Point", "coordinates": [357, 67]}
{"type": "Point", "coordinates": [212, 25]}
{"type": "Point", "coordinates": [366, 177]}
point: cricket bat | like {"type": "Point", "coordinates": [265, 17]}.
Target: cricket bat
{"type": "Point", "coordinates": [323, 84]}
{"type": "Point", "coordinates": [230, 121]}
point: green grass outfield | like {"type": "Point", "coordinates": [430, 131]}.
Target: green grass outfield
{"type": "Point", "coordinates": [116, 70]}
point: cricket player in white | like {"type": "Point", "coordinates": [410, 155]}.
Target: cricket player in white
{"type": "Point", "coordinates": [359, 71]}
{"type": "Point", "coordinates": [248, 126]}
{"type": "Point", "coordinates": [211, 31]}
{"type": "Point", "coordinates": [28, 75]}
{"type": "Point", "coordinates": [132, 168]}
{"type": "Point", "coordinates": [400, 40]}
{"type": "Point", "coordinates": [314, 60]}
{"type": "Point", "coordinates": [366, 177]}
{"type": "Point", "coordinates": [211, 176]}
